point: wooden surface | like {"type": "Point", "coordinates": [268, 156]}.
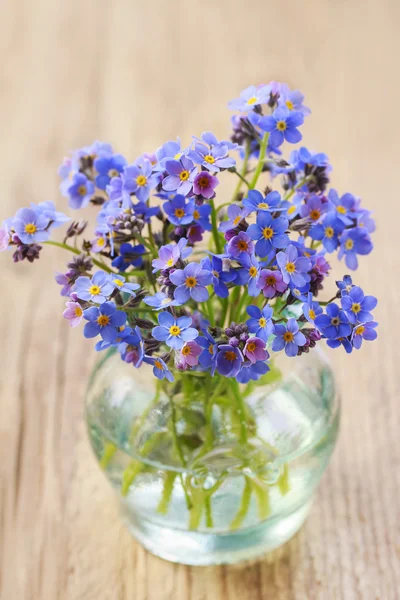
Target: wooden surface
{"type": "Point", "coordinates": [137, 73]}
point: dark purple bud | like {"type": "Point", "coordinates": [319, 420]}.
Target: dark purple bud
{"type": "Point", "coordinates": [234, 342]}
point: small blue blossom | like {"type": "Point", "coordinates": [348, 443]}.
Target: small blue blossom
{"type": "Point", "coordinates": [235, 216]}
{"type": "Point", "coordinates": [209, 345]}
{"type": "Point", "coordinates": [169, 150]}
{"type": "Point", "coordinates": [160, 369]}
{"type": "Point", "coordinates": [191, 282]}
{"type": "Point", "coordinates": [159, 301]}
{"type": "Point", "coordinates": [282, 125]}
{"type": "Point", "coordinates": [334, 324]}
{"type": "Point", "coordinates": [313, 208]}
{"type": "Point", "coordinates": [248, 274]}
{"type": "Point", "coordinates": [211, 154]}
{"type": "Point", "coordinates": [80, 191]}
{"type": "Point", "coordinates": [220, 277]}
{"type": "Point", "coordinates": [341, 341]}
{"type": "Point", "coordinates": [251, 97]}
{"type": "Point", "coordinates": [255, 201]}
{"type": "Point", "coordinates": [260, 322]}
{"type": "Point", "coordinates": [132, 348]}
{"type": "Point", "coordinates": [311, 309]}
{"type": "Point", "coordinates": [96, 289]}
{"type": "Point", "coordinates": [288, 337]}
{"type": "Point", "coordinates": [181, 174]}
{"type": "Point", "coordinates": [48, 209]}
{"type": "Point", "coordinates": [104, 320]}
{"type": "Point", "coordinates": [228, 360]}
{"type": "Point", "coordinates": [138, 179]}
{"type": "Point", "coordinates": [174, 332]}
{"type": "Point", "coordinates": [129, 255]}
{"type": "Point", "coordinates": [364, 331]}
{"type": "Point", "coordinates": [346, 207]}
{"type": "Point", "coordinates": [346, 285]}
{"type": "Point", "coordinates": [179, 211]}
{"type": "Point", "coordinates": [252, 371]}
{"type": "Point", "coordinates": [352, 242]}
{"type": "Point", "coordinates": [31, 226]}
{"type": "Point", "coordinates": [201, 215]}
{"type": "Point", "coordinates": [300, 293]}
{"type": "Point", "coordinates": [292, 100]}
{"type": "Point", "coordinates": [269, 233]}
{"type": "Point", "coordinates": [169, 255]}
{"type": "Point", "coordinates": [294, 268]}
{"type": "Point", "coordinates": [119, 282]}
{"type": "Point", "coordinates": [108, 167]}
{"type": "Point", "coordinates": [328, 232]}
{"type": "Point", "coordinates": [357, 306]}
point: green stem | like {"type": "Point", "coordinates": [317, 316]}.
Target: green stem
{"type": "Point", "coordinates": [283, 482]}
{"type": "Point", "coordinates": [169, 480]}
{"type": "Point", "coordinates": [244, 505]}
{"type": "Point", "coordinates": [216, 234]}
{"type": "Point", "coordinates": [241, 407]}
{"type": "Point", "coordinates": [209, 518]}
{"type": "Point", "coordinates": [210, 310]}
{"type": "Point", "coordinates": [233, 303]}
{"type": "Point", "coordinates": [108, 452]}
{"type": "Point", "coordinates": [241, 177]}
{"type": "Point", "coordinates": [263, 502]}
{"type": "Point", "coordinates": [242, 172]}
{"type": "Point", "coordinates": [259, 168]}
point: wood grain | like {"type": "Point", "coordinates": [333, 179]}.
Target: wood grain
{"type": "Point", "coordinates": [135, 74]}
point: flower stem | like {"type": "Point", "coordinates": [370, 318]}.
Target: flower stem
{"type": "Point", "coordinates": [216, 234]}
{"type": "Point", "coordinates": [242, 172]}
{"type": "Point", "coordinates": [259, 168]}
{"type": "Point", "coordinates": [263, 503]}
{"type": "Point", "coordinates": [244, 505]}
{"type": "Point", "coordinates": [283, 481]}
{"type": "Point", "coordinates": [241, 407]}
{"type": "Point", "coordinates": [169, 480]}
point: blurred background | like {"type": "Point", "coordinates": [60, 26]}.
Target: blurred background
{"type": "Point", "coordinates": [136, 74]}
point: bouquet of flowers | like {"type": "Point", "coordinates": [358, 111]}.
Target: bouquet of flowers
{"type": "Point", "coordinates": [204, 291]}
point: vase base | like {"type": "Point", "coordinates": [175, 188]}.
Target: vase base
{"type": "Point", "coordinates": [202, 549]}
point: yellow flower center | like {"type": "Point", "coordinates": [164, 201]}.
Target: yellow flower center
{"type": "Point", "coordinates": [360, 329]}
{"type": "Point", "coordinates": [174, 330]}
{"type": "Point", "coordinates": [184, 175]}
{"type": "Point", "coordinates": [216, 274]}
{"type": "Point", "coordinates": [329, 232]}
{"type": "Point", "coordinates": [103, 320]}
{"type": "Point", "coordinates": [211, 349]}
{"type": "Point", "coordinates": [119, 282]}
{"type": "Point", "coordinates": [356, 307]}
{"type": "Point", "coordinates": [262, 205]}
{"type": "Point", "coordinates": [158, 364]}
{"type": "Point", "coordinates": [209, 159]}
{"type": "Point", "coordinates": [178, 155]}
{"type": "Point", "coordinates": [237, 220]}
{"type": "Point", "coordinates": [290, 267]}
{"type": "Point", "coordinates": [243, 246]}
{"type": "Point", "coordinates": [268, 233]}
{"type": "Point", "coordinates": [252, 100]}
{"type": "Point", "coordinates": [289, 104]}
{"type": "Point", "coordinates": [315, 214]}
{"type": "Point", "coordinates": [253, 271]}
{"type": "Point", "coordinates": [141, 180]}
{"type": "Point", "coordinates": [291, 209]}
{"type": "Point", "coordinates": [196, 214]}
{"type": "Point", "coordinates": [335, 321]}
{"type": "Point", "coordinates": [186, 350]}
{"type": "Point", "coordinates": [179, 212]}
{"type": "Point", "coordinates": [94, 290]}
{"type": "Point", "coordinates": [262, 322]}
{"type": "Point", "coordinates": [230, 355]}
{"type": "Point", "coordinates": [288, 336]}
{"type": "Point", "coordinates": [349, 244]}
{"type": "Point", "coordinates": [251, 346]}
{"type": "Point", "coordinates": [100, 242]}
{"type": "Point", "coordinates": [30, 228]}
{"type": "Point", "coordinates": [113, 173]}
{"type": "Point", "coordinates": [82, 190]}
{"type": "Point", "coordinates": [311, 314]}
{"type": "Point", "coordinates": [281, 125]}
{"type": "Point", "coordinates": [166, 301]}
{"type": "Point", "coordinates": [170, 263]}
{"type": "Point", "coordinates": [341, 210]}
{"type": "Point", "coordinates": [78, 311]}
{"type": "Point", "coordinates": [191, 282]}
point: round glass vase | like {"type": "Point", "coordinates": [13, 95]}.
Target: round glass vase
{"type": "Point", "coordinates": [208, 471]}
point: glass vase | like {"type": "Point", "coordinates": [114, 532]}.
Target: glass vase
{"type": "Point", "coordinates": [208, 471]}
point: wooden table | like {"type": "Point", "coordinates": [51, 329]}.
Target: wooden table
{"type": "Point", "coordinates": [136, 74]}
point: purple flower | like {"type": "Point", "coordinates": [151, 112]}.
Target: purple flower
{"type": "Point", "coordinates": [352, 242]}
{"type": "Point", "coordinates": [271, 283]}
{"type": "Point", "coordinates": [255, 350]}
{"type": "Point", "coordinates": [282, 125]}
{"type": "Point", "coordinates": [255, 201]}
{"type": "Point", "coordinates": [179, 211]}
{"type": "Point", "coordinates": [293, 268]}
{"type": "Point", "coordinates": [251, 97]}
{"type": "Point", "coordinates": [104, 320]}
{"type": "Point", "coordinates": [160, 369]}
{"type": "Point", "coordinates": [119, 282]}
{"type": "Point", "coordinates": [248, 274]}
{"type": "Point", "coordinates": [328, 232]}
{"type": "Point", "coordinates": [129, 255]}
{"type": "Point", "coordinates": [160, 301]}
{"type": "Point", "coordinates": [201, 216]}
{"type": "Point", "coordinates": [357, 306]}
{"type": "Point", "coordinates": [364, 331]}
{"type": "Point", "coordinates": [174, 332]}
{"type": "Point", "coordinates": [191, 282]}
{"type": "Point", "coordinates": [269, 233]}
{"type": "Point", "coordinates": [252, 371]}
{"type": "Point", "coordinates": [79, 192]}
{"type": "Point", "coordinates": [181, 174]}
{"type": "Point", "coordinates": [204, 184]}
{"type": "Point", "coordinates": [195, 233]}
{"type": "Point", "coordinates": [64, 280]}
{"type": "Point", "coordinates": [209, 345]}
{"type": "Point", "coordinates": [260, 322]}
{"type": "Point", "coordinates": [31, 226]}
{"type": "Point", "coordinates": [288, 337]}
{"type": "Point", "coordinates": [138, 179]}
{"type": "Point", "coordinates": [169, 255]}
{"type": "Point", "coordinates": [334, 324]}
{"type": "Point", "coordinates": [211, 154]}
{"type": "Point", "coordinates": [96, 289]}
{"type": "Point", "coordinates": [5, 234]}
{"type": "Point", "coordinates": [108, 167]}
{"type": "Point", "coordinates": [311, 309]}
{"type": "Point", "coordinates": [219, 277]}
{"type": "Point", "coordinates": [235, 216]}
{"type": "Point", "coordinates": [167, 151]}
{"type": "Point", "coordinates": [239, 245]}
{"type": "Point", "coordinates": [190, 354]}
{"type": "Point", "coordinates": [73, 313]}
{"type": "Point", "coordinates": [313, 208]}
{"type": "Point", "coordinates": [228, 360]}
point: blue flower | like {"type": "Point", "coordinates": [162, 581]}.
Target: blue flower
{"type": "Point", "coordinates": [129, 255]}
{"type": "Point", "coordinates": [95, 289]}
{"type": "Point", "coordinates": [122, 335]}
{"type": "Point", "coordinates": [261, 321]}
{"type": "Point", "coordinates": [364, 331]}
{"type": "Point", "coordinates": [311, 309]}
{"type": "Point", "coordinates": [346, 285]}
{"type": "Point", "coordinates": [174, 332]}
{"type": "Point", "coordinates": [255, 201]}
{"type": "Point", "coordinates": [209, 345]}
{"type": "Point", "coordinates": [228, 360]}
{"type": "Point", "coordinates": [328, 232]}
{"type": "Point", "coordinates": [48, 209]}
{"type": "Point", "coordinates": [352, 242]}
{"type": "Point", "coordinates": [334, 324]}
{"type": "Point", "coordinates": [191, 282]}
{"type": "Point", "coordinates": [132, 348]}
{"type": "Point", "coordinates": [248, 274]}
{"type": "Point", "coordinates": [179, 211]}
{"type": "Point", "coordinates": [31, 226]}
{"type": "Point", "coordinates": [160, 301]}
{"type": "Point", "coordinates": [292, 100]}
{"type": "Point", "coordinates": [211, 154]}
{"type": "Point", "coordinates": [251, 97]}
{"type": "Point", "coordinates": [300, 293]}
{"type": "Point", "coordinates": [235, 216]}
{"type": "Point", "coordinates": [108, 167]}
{"type": "Point", "coordinates": [169, 255]}
{"type": "Point", "coordinates": [220, 278]}
{"type": "Point", "coordinates": [80, 191]}
{"type": "Point", "coordinates": [166, 152]}
{"type": "Point", "coordinates": [357, 306]}
{"type": "Point", "coordinates": [181, 174]}
{"type": "Point", "coordinates": [138, 179]}
{"type": "Point", "coordinates": [120, 284]}
{"type": "Point", "coordinates": [346, 208]}
{"type": "Point", "coordinates": [201, 215]}
{"type": "Point", "coordinates": [294, 268]}
{"type": "Point", "coordinates": [160, 369]}
{"type": "Point", "coordinates": [341, 341]}
{"type": "Point", "coordinates": [252, 371]}
{"type": "Point", "coordinates": [282, 125]}
{"type": "Point", "coordinates": [313, 208]}
{"type": "Point", "coordinates": [104, 321]}
{"type": "Point", "coordinates": [269, 233]}
{"type": "Point", "coordinates": [288, 337]}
